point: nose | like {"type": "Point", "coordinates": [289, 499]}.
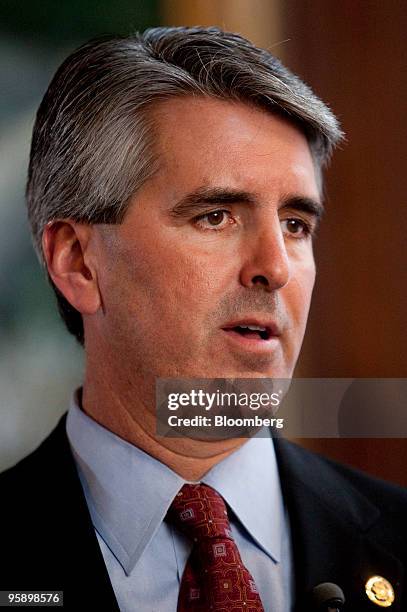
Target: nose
{"type": "Point", "coordinates": [266, 261]}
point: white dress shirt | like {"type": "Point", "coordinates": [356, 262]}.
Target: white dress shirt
{"type": "Point", "coordinates": [128, 493]}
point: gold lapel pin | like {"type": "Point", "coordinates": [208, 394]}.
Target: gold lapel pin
{"type": "Point", "coordinates": [380, 591]}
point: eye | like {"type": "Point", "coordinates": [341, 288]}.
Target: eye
{"type": "Point", "coordinates": [215, 219]}
{"type": "Point", "coordinates": [296, 227]}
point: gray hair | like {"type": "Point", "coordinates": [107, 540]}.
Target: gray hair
{"type": "Point", "coordinates": [92, 145]}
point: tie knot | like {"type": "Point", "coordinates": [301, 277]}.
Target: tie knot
{"type": "Point", "coordinates": [200, 512]}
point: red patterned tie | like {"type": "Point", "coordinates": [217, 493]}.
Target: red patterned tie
{"type": "Point", "coordinates": [215, 578]}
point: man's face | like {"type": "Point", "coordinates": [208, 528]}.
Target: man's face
{"type": "Point", "coordinates": [218, 240]}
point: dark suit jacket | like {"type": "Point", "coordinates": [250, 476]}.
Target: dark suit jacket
{"type": "Point", "coordinates": [345, 526]}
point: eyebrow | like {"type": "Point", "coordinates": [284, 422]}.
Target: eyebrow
{"type": "Point", "coordinates": [304, 204]}
{"type": "Point", "coordinates": [204, 196]}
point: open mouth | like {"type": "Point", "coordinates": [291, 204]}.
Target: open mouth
{"type": "Point", "coordinates": [255, 332]}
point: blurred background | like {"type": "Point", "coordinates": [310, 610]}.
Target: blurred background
{"type": "Point", "coordinates": [353, 54]}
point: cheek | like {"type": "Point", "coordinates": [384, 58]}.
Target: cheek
{"type": "Point", "coordinates": [169, 282]}
{"type": "Point", "coordinates": [299, 293]}
{"type": "Point", "coordinates": [193, 287]}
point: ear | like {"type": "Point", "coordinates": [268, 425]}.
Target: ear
{"type": "Point", "coordinates": [68, 255]}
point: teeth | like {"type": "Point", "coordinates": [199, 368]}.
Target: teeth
{"type": "Point", "coordinates": [253, 327]}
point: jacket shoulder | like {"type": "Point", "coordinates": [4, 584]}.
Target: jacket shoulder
{"type": "Point", "coordinates": [48, 540]}
{"type": "Point", "coordinates": [50, 459]}
{"type": "Point", "coordinates": [341, 485]}
{"type": "Point", "coordinates": [310, 459]}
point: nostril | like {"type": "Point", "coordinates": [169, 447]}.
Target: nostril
{"type": "Point", "coordinates": [260, 279]}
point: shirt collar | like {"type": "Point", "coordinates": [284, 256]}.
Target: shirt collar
{"type": "Point", "coordinates": [249, 482]}
{"type": "Point", "coordinates": [127, 511]}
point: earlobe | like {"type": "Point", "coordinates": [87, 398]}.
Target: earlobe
{"type": "Point", "coordinates": [66, 247]}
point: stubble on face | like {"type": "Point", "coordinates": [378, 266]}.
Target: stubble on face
{"type": "Point", "coordinates": [168, 287]}
{"type": "Point", "coordinates": [170, 279]}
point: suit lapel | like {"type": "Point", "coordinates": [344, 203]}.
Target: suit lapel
{"type": "Point", "coordinates": [70, 554]}
{"type": "Point", "coordinates": [333, 528]}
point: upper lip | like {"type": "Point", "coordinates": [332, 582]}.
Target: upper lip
{"type": "Point", "coordinates": [270, 325]}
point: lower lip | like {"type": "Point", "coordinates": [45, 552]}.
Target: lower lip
{"type": "Point", "coordinates": [252, 344]}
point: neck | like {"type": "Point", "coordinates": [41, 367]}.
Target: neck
{"type": "Point", "coordinates": [126, 415]}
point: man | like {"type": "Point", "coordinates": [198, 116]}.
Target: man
{"type": "Point", "coordinates": [174, 190]}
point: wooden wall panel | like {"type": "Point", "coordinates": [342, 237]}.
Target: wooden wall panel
{"type": "Point", "coordinates": [258, 20]}
{"type": "Point", "coordinates": [354, 55]}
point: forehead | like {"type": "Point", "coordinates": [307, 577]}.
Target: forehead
{"type": "Point", "coordinates": [208, 141]}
